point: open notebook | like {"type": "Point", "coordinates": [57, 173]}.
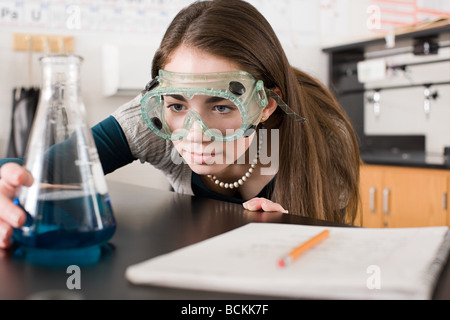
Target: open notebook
{"type": "Point", "coordinates": [352, 263]}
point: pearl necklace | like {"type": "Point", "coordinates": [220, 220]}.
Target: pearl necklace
{"type": "Point", "coordinates": [239, 182]}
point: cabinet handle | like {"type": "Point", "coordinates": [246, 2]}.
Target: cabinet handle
{"type": "Point", "coordinates": [386, 193]}
{"type": "Point", "coordinates": [372, 192]}
{"type": "Point", "coordinates": [444, 201]}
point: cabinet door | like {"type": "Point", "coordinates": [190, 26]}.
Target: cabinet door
{"type": "Point", "coordinates": [371, 182]}
{"type": "Point", "coordinates": [414, 197]}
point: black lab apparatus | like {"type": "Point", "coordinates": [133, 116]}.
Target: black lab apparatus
{"type": "Point", "coordinates": [69, 213]}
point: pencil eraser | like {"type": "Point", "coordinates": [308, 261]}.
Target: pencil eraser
{"type": "Point", "coordinates": [281, 263]}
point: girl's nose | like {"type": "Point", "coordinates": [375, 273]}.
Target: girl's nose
{"type": "Point", "coordinates": [195, 133]}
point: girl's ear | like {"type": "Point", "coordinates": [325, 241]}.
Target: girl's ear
{"type": "Point", "coordinates": [271, 106]}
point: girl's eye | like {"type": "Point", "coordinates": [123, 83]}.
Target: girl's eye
{"type": "Point", "coordinates": [176, 107]}
{"type": "Point", "coordinates": [223, 109]}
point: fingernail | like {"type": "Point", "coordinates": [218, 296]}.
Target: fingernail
{"type": "Point", "coordinates": [284, 211]}
{"type": "Point", "coordinates": [247, 204]}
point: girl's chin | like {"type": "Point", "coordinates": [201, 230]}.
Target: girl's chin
{"type": "Point", "coordinates": [204, 169]}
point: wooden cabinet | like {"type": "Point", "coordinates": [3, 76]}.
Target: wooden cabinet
{"type": "Point", "coordinates": [404, 197]}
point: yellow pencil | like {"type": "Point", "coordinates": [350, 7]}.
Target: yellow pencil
{"type": "Point", "coordinates": [295, 253]}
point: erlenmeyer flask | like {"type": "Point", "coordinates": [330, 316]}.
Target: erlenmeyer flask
{"type": "Point", "coordinates": [69, 215]}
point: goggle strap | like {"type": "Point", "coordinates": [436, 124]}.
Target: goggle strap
{"type": "Point", "coordinates": [284, 106]}
{"type": "Point", "coordinates": [151, 84]}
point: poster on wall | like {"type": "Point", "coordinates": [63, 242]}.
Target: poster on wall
{"type": "Point", "coordinates": [393, 14]}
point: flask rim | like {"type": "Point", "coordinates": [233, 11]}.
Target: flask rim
{"type": "Point", "coordinates": [61, 55]}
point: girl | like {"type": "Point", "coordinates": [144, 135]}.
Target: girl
{"type": "Point", "coordinates": [227, 117]}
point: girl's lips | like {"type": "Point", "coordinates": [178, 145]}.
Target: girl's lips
{"type": "Point", "coordinates": [195, 153]}
{"type": "Point", "coordinates": [201, 158]}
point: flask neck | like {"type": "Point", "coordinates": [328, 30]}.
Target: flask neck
{"type": "Point", "coordinates": [61, 76]}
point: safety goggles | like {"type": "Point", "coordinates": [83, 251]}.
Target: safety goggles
{"type": "Point", "coordinates": [225, 106]}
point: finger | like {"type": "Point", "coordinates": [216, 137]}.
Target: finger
{"type": "Point", "coordinates": [5, 235]}
{"type": "Point", "coordinates": [256, 204]}
{"type": "Point", "coordinates": [5, 244]}
{"type": "Point", "coordinates": [12, 176]}
{"type": "Point", "coordinates": [253, 204]}
{"type": "Point", "coordinates": [15, 174]}
{"type": "Point", "coordinates": [11, 213]}
{"type": "Point", "coordinates": [268, 205]}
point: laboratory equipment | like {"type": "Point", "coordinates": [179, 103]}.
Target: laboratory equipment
{"type": "Point", "coordinates": [69, 213]}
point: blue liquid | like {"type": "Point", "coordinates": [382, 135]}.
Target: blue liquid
{"type": "Point", "coordinates": [66, 228]}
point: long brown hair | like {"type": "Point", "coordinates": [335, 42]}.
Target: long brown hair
{"type": "Point", "coordinates": [318, 174]}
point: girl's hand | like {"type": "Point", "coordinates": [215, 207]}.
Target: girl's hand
{"type": "Point", "coordinates": [263, 204]}
{"type": "Point", "coordinates": [12, 176]}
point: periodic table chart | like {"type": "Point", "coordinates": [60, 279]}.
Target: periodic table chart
{"type": "Point", "coordinates": [127, 16]}
{"type": "Point", "coordinates": [296, 22]}
{"type": "Point", "coordinates": [139, 16]}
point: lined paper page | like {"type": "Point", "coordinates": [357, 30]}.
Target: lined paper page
{"type": "Point", "coordinates": [352, 263]}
